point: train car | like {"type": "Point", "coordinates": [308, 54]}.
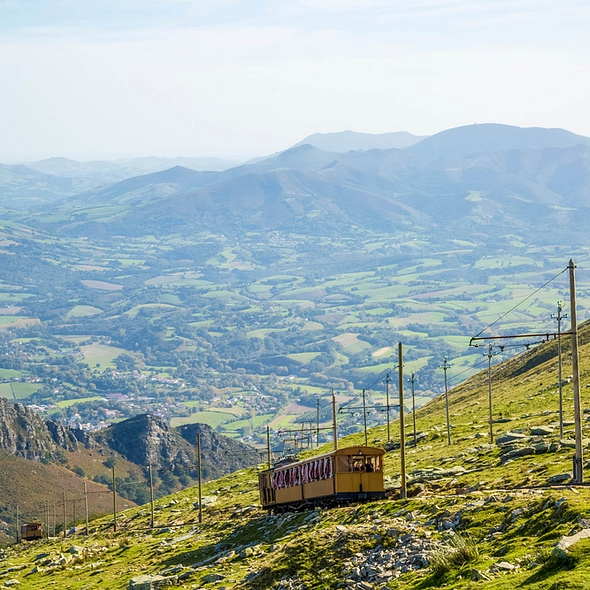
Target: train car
{"type": "Point", "coordinates": [31, 531]}
{"type": "Point", "coordinates": [352, 474]}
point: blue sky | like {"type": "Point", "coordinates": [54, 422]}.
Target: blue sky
{"type": "Point", "coordinates": [174, 77]}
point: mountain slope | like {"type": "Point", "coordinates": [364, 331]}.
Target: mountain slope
{"type": "Point", "coordinates": [346, 141]}
{"type": "Point", "coordinates": [460, 142]}
{"type": "Point", "coordinates": [146, 439]}
{"type": "Point", "coordinates": [480, 514]}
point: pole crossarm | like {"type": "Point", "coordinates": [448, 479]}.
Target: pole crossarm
{"type": "Point", "coordinates": [546, 335]}
{"type": "Point", "coordinates": [347, 409]}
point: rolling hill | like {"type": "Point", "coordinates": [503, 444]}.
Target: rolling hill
{"type": "Point", "coordinates": [346, 141]}
{"type": "Point", "coordinates": [461, 142]}
{"type": "Point", "coordinates": [518, 189]}
{"type": "Point", "coordinates": [493, 514]}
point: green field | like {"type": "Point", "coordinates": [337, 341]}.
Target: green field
{"type": "Point", "coordinates": [83, 311]}
{"type": "Point", "coordinates": [18, 390]}
{"type": "Point", "coordinates": [211, 418]}
{"type": "Point", "coordinates": [100, 354]}
{"type": "Point", "coordinates": [10, 373]}
{"type": "Point", "coordinates": [72, 402]}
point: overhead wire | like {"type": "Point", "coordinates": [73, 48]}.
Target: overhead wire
{"type": "Point", "coordinates": [521, 302]}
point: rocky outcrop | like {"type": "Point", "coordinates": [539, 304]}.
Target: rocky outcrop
{"type": "Point", "coordinates": [143, 439]}
{"type": "Point", "coordinates": [25, 434]}
{"type": "Point", "coordinates": [147, 439]}
{"type": "Point", "coordinates": [221, 455]}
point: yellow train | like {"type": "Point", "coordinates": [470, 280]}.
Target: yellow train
{"type": "Point", "coordinates": [31, 531]}
{"type": "Point", "coordinates": [352, 474]}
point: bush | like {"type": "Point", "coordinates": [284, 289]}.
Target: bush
{"type": "Point", "coordinates": [458, 552]}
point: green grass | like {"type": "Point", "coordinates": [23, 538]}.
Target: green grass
{"type": "Point", "coordinates": [83, 311]}
{"type": "Point", "coordinates": [303, 357]}
{"type": "Point", "coordinates": [101, 354]}
{"type": "Point", "coordinates": [10, 373]}
{"type": "Point", "coordinates": [72, 402]}
{"type": "Point", "coordinates": [18, 390]}
{"type": "Point", "coordinates": [22, 390]}
{"type": "Point", "coordinates": [211, 418]}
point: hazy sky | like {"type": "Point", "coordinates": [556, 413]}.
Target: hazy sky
{"type": "Point", "coordinates": [95, 78]}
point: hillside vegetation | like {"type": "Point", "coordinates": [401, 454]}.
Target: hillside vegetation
{"type": "Point", "coordinates": [480, 514]}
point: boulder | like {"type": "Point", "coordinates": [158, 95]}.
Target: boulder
{"type": "Point", "coordinates": [210, 578]}
{"type": "Point", "coordinates": [541, 431]}
{"type": "Point", "coordinates": [151, 582]}
{"type": "Point", "coordinates": [560, 478]}
{"type": "Point", "coordinates": [508, 437]}
{"type": "Point", "coordinates": [561, 549]}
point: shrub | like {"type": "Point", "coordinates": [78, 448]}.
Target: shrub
{"type": "Point", "coordinates": [458, 551]}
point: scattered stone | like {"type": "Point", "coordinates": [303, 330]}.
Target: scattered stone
{"type": "Point", "coordinates": [503, 566]}
{"type": "Point", "coordinates": [519, 452]}
{"type": "Point", "coordinates": [561, 549]}
{"type": "Point", "coordinates": [151, 582]}
{"type": "Point", "coordinates": [9, 583]}
{"type": "Point", "coordinates": [210, 578]}
{"type": "Point", "coordinates": [479, 576]}
{"type": "Point", "coordinates": [510, 437]}
{"type": "Point", "coordinates": [559, 478]}
{"type": "Point", "coordinates": [516, 513]}
{"type": "Point", "coordinates": [76, 550]}
{"type": "Point", "coordinates": [542, 431]}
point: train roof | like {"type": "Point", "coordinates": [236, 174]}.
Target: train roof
{"type": "Point", "coordinates": [358, 450]}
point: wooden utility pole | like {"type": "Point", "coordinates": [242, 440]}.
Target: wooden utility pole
{"type": "Point", "coordinates": [47, 516]}
{"type": "Point", "coordinates": [54, 518]}
{"type": "Point", "coordinates": [65, 515]}
{"type": "Point", "coordinates": [317, 423]}
{"type": "Point", "coordinates": [114, 501]}
{"type": "Point", "coordinates": [365, 416]}
{"type": "Point", "coordinates": [445, 367]}
{"type": "Point", "coordinates": [489, 355]}
{"type": "Point", "coordinates": [387, 405]}
{"type": "Point", "coordinates": [334, 427]}
{"type": "Point", "coordinates": [402, 432]}
{"type": "Point", "coordinates": [412, 381]}
{"type": "Point", "coordinates": [559, 316]}
{"type": "Point", "coordinates": [151, 482]}
{"type": "Point", "coordinates": [268, 458]}
{"type": "Point", "coordinates": [200, 475]}
{"type": "Point", "coordinates": [86, 505]}
{"type": "Point", "coordinates": [579, 455]}
{"type": "Point", "coordinates": [17, 524]}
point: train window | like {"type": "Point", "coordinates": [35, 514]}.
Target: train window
{"type": "Point", "coordinates": [362, 463]}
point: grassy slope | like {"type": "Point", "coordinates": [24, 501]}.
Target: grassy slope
{"type": "Point", "coordinates": [310, 545]}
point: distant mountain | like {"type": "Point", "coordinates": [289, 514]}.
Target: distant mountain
{"type": "Point", "coordinates": [147, 439]}
{"type": "Point", "coordinates": [462, 142]}
{"type": "Point", "coordinates": [346, 141]}
{"type": "Point", "coordinates": [491, 178]}
{"type": "Point", "coordinates": [124, 168]}
{"type": "Point", "coordinates": [142, 189]}
{"type": "Point", "coordinates": [24, 187]}
{"type": "Point", "coordinates": [40, 458]}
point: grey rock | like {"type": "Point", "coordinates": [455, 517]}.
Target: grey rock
{"type": "Point", "coordinates": [210, 578]}
{"type": "Point", "coordinates": [508, 437]}
{"type": "Point", "coordinates": [76, 549]}
{"type": "Point", "coordinates": [151, 582]}
{"type": "Point", "coordinates": [521, 452]}
{"type": "Point", "coordinates": [479, 576]}
{"type": "Point", "coordinates": [542, 431]}
{"type": "Point", "coordinates": [503, 566]}
{"type": "Point", "coordinates": [559, 478]}
{"type": "Point", "coordinates": [561, 549]}
{"type": "Point", "coordinates": [13, 582]}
